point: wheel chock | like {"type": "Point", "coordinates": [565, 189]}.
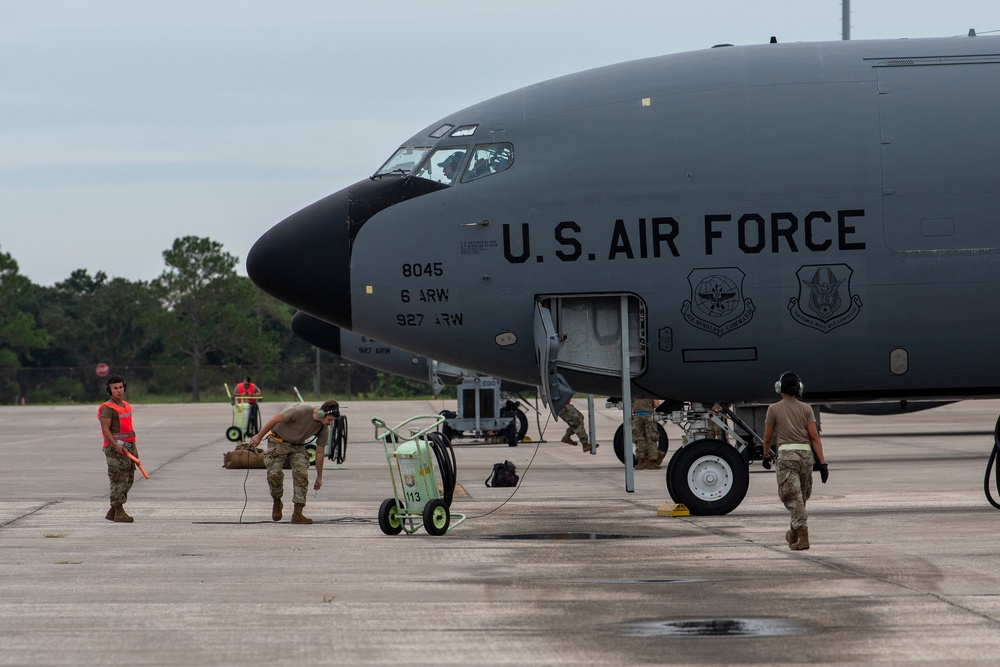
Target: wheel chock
{"type": "Point", "coordinates": [675, 510]}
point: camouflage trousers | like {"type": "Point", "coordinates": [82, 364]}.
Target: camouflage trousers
{"type": "Point", "coordinates": [274, 459]}
{"type": "Point", "coordinates": [121, 473]}
{"type": "Point", "coordinates": [795, 482]}
{"type": "Point", "coordinates": [646, 437]}
{"type": "Point", "coordinates": [574, 423]}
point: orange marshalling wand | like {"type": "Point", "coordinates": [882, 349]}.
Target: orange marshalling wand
{"type": "Point", "coordinates": [138, 463]}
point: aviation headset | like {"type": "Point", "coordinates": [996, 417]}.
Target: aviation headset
{"type": "Point", "coordinates": [334, 411]}
{"type": "Point", "coordinates": [114, 379]}
{"type": "Point", "coordinates": [789, 383]}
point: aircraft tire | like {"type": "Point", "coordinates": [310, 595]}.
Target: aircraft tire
{"type": "Point", "coordinates": [522, 425]}
{"type": "Point", "coordinates": [619, 443]}
{"type": "Point", "coordinates": [670, 475]}
{"type": "Point", "coordinates": [709, 477]}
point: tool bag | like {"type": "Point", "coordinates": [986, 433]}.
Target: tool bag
{"type": "Point", "coordinates": [504, 474]}
{"type": "Point", "coordinates": [242, 458]}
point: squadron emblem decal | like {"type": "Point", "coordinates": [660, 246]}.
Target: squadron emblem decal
{"type": "Point", "coordinates": [717, 304]}
{"type": "Point", "coordinates": [825, 301]}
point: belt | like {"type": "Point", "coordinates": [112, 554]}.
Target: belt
{"type": "Point", "coordinates": [639, 414]}
{"type": "Point", "coordinates": [285, 442]}
{"type": "Point", "coordinates": [795, 447]}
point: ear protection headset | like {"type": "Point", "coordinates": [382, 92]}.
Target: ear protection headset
{"type": "Point", "coordinates": [107, 385]}
{"type": "Point", "coordinates": [331, 413]}
{"type": "Point", "coordinates": [796, 391]}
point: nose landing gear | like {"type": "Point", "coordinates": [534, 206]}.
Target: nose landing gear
{"type": "Point", "coordinates": [707, 475]}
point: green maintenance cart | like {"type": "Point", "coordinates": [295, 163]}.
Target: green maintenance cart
{"type": "Point", "coordinates": [246, 417]}
{"type": "Point", "coordinates": [417, 501]}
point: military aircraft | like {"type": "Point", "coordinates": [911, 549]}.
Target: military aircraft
{"type": "Point", "coordinates": [697, 223]}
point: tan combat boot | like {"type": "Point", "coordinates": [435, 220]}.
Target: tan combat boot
{"type": "Point", "coordinates": [121, 516]}
{"type": "Point", "coordinates": [568, 438]}
{"type": "Point", "coordinates": [276, 510]}
{"type": "Point", "coordinates": [110, 516]}
{"type": "Point", "coordinates": [803, 542]}
{"type": "Point", "coordinates": [791, 536]}
{"type": "Point", "coordinates": [660, 455]}
{"type": "Point", "coordinates": [297, 516]}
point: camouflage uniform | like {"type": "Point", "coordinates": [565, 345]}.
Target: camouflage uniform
{"type": "Point", "coordinates": [574, 423]}
{"type": "Point", "coordinates": [121, 472]}
{"type": "Point", "coordinates": [794, 470]}
{"type": "Point", "coordinates": [298, 458]}
{"type": "Point", "coordinates": [645, 435]}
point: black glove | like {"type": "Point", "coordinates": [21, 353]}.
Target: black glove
{"type": "Point", "coordinates": [824, 471]}
{"type": "Point", "coordinates": [766, 461]}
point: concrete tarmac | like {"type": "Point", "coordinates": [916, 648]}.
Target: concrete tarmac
{"type": "Point", "coordinates": [571, 570]}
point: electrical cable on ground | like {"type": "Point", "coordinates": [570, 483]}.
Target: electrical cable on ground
{"type": "Point", "coordinates": [990, 466]}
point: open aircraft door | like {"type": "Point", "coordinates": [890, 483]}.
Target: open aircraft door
{"type": "Point", "coordinates": [554, 388]}
{"type": "Point", "coordinates": [603, 334]}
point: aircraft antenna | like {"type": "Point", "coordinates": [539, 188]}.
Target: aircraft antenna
{"type": "Point", "coordinates": [845, 20]}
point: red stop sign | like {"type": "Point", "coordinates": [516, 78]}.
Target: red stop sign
{"type": "Point", "coordinates": [102, 370]}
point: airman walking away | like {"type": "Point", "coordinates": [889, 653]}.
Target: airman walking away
{"type": "Point", "coordinates": [792, 424]}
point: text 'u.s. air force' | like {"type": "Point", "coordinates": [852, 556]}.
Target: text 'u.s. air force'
{"type": "Point", "coordinates": [750, 233]}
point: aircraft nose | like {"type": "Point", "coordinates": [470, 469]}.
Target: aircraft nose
{"type": "Point", "coordinates": [305, 260]}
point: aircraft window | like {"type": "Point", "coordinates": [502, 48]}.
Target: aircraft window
{"type": "Point", "coordinates": [403, 161]}
{"type": "Point", "coordinates": [489, 159]}
{"type": "Point", "coordinates": [441, 131]}
{"type": "Point", "coordinates": [444, 165]}
{"type": "Point", "coordinates": [465, 130]}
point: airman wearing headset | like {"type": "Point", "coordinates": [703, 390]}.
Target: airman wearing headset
{"type": "Point", "coordinates": [288, 432]}
{"type": "Point", "coordinates": [115, 415]}
{"type": "Point", "coordinates": [793, 424]}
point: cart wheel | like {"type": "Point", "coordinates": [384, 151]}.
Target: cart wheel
{"type": "Point", "coordinates": [311, 453]}
{"type": "Point", "coordinates": [436, 517]}
{"type": "Point", "coordinates": [233, 434]}
{"type": "Point", "coordinates": [388, 517]}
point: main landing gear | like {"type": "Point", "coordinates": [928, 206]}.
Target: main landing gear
{"type": "Point", "coordinates": [707, 475]}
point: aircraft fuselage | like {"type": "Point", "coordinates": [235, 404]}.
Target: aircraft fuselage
{"type": "Point", "coordinates": [827, 208]}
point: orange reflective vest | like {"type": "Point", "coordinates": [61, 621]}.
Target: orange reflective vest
{"type": "Point", "coordinates": [124, 417]}
{"type": "Point", "coordinates": [243, 389]}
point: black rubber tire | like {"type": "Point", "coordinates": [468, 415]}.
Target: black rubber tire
{"type": "Point", "coordinates": [233, 434]}
{"type": "Point", "coordinates": [670, 477]}
{"type": "Point", "coordinates": [709, 477]}
{"type": "Point", "coordinates": [437, 517]}
{"type": "Point", "coordinates": [522, 425]}
{"type": "Point", "coordinates": [619, 443]}
{"type": "Point", "coordinates": [388, 517]}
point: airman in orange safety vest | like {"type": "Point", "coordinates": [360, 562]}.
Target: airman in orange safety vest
{"type": "Point", "coordinates": [119, 437]}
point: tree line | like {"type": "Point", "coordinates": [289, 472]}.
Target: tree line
{"type": "Point", "coordinates": [195, 326]}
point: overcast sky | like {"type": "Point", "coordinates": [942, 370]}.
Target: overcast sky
{"type": "Point", "coordinates": [126, 124]}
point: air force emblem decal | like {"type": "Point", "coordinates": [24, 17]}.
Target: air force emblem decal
{"type": "Point", "coordinates": [717, 304]}
{"type": "Point", "coordinates": [825, 301]}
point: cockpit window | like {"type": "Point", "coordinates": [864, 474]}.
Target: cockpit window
{"type": "Point", "coordinates": [489, 159]}
{"type": "Point", "coordinates": [465, 130]}
{"type": "Point", "coordinates": [403, 161]}
{"type": "Point", "coordinates": [444, 165]}
{"type": "Point", "coordinates": [441, 131]}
